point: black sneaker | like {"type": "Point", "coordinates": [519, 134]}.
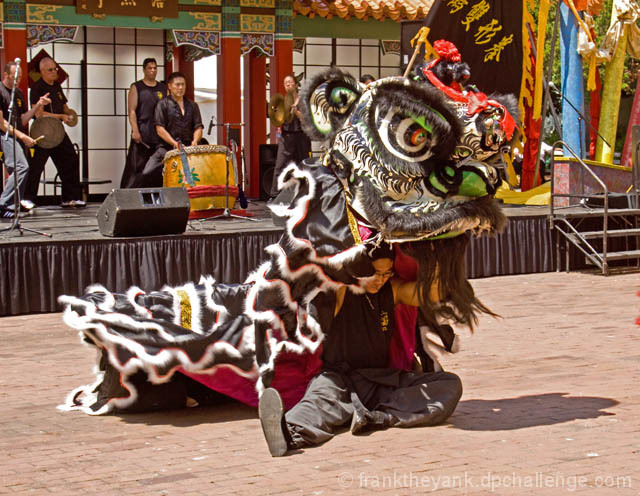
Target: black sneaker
{"type": "Point", "coordinates": [271, 411]}
{"type": "Point", "coordinates": [7, 213]}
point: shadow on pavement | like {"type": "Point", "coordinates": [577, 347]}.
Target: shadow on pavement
{"type": "Point", "coordinates": [188, 417]}
{"type": "Point", "coordinates": [527, 411]}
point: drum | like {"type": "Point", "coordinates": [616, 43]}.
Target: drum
{"type": "Point", "coordinates": [209, 168]}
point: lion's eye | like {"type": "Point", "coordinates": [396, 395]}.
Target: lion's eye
{"type": "Point", "coordinates": [406, 136]}
{"type": "Point", "coordinates": [342, 98]}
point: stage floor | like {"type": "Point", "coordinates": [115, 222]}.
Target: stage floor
{"type": "Point", "coordinates": [65, 224]}
{"type": "Point", "coordinates": [35, 270]}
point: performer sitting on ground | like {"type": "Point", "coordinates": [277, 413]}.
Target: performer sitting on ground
{"type": "Point", "coordinates": [143, 98]}
{"type": "Point", "coordinates": [17, 159]}
{"type": "Point", "coordinates": [293, 145]}
{"type": "Point", "coordinates": [355, 385]}
{"type": "Point", "coordinates": [64, 155]}
{"type": "Point", "coordinates": [177, 119]}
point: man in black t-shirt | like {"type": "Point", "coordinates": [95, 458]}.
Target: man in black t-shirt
{"type": "Point", "coordinates": [14, 153]}
{"type": "Point", "coordinates": [64, 155]}
{"type": "Point", "coordinates": [177, 119]}
{"type": "Point", "coordinates": [356, 384]}
{"type": "Point", "coordinates": [143, 98]}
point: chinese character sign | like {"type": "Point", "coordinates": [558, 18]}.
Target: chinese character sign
{"type": "Point", "coordinates": [144, 8]}
{"type": "Point", "coordinates": [488, 34]}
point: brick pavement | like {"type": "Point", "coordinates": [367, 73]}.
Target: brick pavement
{"type": "Point", "coordinates": [550, 406]}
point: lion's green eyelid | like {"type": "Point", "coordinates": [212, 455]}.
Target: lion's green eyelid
{"type": "Point", "coordinates": [423, 123]}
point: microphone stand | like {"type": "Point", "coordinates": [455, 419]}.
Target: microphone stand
{"type": "Point", "coordinates": [13, 116]}
{"type": "Point", "coordinates": [226, 214]}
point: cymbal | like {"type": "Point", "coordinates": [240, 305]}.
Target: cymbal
{"type": "Point", "coordinates": [276, 109]}
{"type": "Point", "coordinates": [74, 116]}
{"type": "Point", "coordinates": [288, 102]}
{"type": "Point", "coordinates": [49, 127]}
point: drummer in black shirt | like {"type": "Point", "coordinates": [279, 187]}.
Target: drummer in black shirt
{"type": "Point", "coordinates": [144, 95]}
{"type": "Point", "coordinates": [177, 120]}
{"type": "Point", "coordinates": [64, 155]}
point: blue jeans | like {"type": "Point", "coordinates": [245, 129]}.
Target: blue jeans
{"type": "Point", "coordinates": [19, 160]}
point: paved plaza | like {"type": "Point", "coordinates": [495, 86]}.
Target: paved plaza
{"type": "Point", "coordinates": [551, 406]}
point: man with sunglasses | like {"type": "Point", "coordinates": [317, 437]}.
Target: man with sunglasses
{"type": "Point", "coordinates": [356, 385]}
{"type": "Point", "coordinates": [64, 155]}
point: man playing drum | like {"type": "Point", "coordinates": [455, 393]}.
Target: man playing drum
{"type": "Point", "coordinates": [143, 98]}
{"type": "Point", "coordinates": [177, 121]}
{"type": "Point", "coordinates": [64, 155]}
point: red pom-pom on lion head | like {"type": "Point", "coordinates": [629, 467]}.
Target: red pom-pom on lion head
{"type": "Point", "coordinates": [447, 50]}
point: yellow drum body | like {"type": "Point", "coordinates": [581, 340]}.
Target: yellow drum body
{"type": "Point", "coordinates": [208, 168]}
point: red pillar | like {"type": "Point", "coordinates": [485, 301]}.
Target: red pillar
{"type": "Point", "coordinates": [255, 82]}
{"type": "Point", "coordinates": [229, 86]}
{"type": "Point", "coordinates": [280, 65]}
{"type": "Point", "coordinates": [15, 43]}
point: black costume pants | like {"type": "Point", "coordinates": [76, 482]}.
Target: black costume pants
{"type": "Point", "coordinates": [151, 175]}
{"type": "Point", "coordinates": [66, 160]}
{"type": "Point", "coordinates": [393, 397]}
{"type": "Point", "coordinates": [137, 158]}
{"type": "Point", "coordinates": [292, 147]}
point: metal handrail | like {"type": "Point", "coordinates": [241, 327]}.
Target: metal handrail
{"type": "Point", "coordinates": [605, 221]}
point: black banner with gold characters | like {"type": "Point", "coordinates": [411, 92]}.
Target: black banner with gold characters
{"type": "Point", "coordinates": [488, 34]}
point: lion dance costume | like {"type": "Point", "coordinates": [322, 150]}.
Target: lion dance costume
{"type": "Point", "coordinates": [406, 163]}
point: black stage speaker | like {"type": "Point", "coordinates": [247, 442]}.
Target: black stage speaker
{"type": "Point", "coordinates": [268, 154]}
{"type": "Point", "coordinates": [144, 212]}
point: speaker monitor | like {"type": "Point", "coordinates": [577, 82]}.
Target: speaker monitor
{"type": "Point", "coordinates": [268, 155]}
{"type": "Point", "coordinates": [144, 212]}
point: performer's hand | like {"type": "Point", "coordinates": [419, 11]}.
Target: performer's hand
{"type": "Point", "coordinates": [176, 145]}
{"type": "Point", "coordinates": [44, 100]}
{"type": "Point", "coordinates": [28, 140]}
{"type": "Point", "coordinates": [194, 143]}
{"type": "Point", "coordinates": [67, 119]}
{"type": "Point", "coordinates": [135, 136]}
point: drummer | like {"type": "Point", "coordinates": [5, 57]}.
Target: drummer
{"type": "Point", "coordinates": [177, 120]}
{"type": "Point", "coordinates": [14, 156]}
{"type": "Point", "coordinates": [63, 155]}
{"type": "Point", "coordinates": [144, 95]}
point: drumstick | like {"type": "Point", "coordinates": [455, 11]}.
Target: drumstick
{"type": "Point", "coordinates": [38, 138]}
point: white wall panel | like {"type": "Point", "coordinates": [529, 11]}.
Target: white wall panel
{"type": "Point", "coordinates": [66, 53]}
{"type": "Point", "coordinates": [100, 102]}
{"type": "Point", "coordinates": [107, 132]}
{"type": "Point", "coordinates": [347, 56]}
{"type": "Point", "coordinates": [96, 34]}
{"type": "Point", "coordinates": [125, 54]}
{"type": "Point", "coordinates": [100, 54]}
{"type": "Point", "coordinates": [125, 75]}
{"type": "Point", "coordinates": [106, 164]}
{"type": "Point", "coordinates": [125, 35]}
{"type": "Point", "coordinates": [100, 76]}
{"type": "Point", "coordinates": [318, 55]}
{"type": "Point", "coordinates": [150, 36]}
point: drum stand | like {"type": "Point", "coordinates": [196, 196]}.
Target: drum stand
{"type": "Point", "coordinates": [15, 225]}
{"type": "Point", "coordinates": [226, 214]}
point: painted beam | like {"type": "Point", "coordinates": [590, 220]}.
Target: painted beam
{"type": "Point", "coordinates": [319, 27]}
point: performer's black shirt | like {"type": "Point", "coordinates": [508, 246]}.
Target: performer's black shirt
{"type": "Point", "coordinates": [19, 108]}
{"type": "Point", "coordinates": [148, 97]}
{"type": "Point", "coordinates": [360, 334]}
{"type": "Point", "coordinates": [58, 100]}
{"type": "Point", "coordinates": [180, 127]}
{"type": "Point", "coordinates": [292, 127]}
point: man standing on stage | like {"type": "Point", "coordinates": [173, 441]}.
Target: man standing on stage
{"type": "Point", "coordinates": [177, 120]}
{"type": "Point", "coordinates": [14, 155]}
{"type": "Point", "coordinates": [64, 155]}
{"type": "Point", "coordinates": [141, 103]}
{"type": "Point", "coordinates": [293, 145]}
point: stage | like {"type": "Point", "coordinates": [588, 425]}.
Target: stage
{"type": "Point", "coordinates": [37, 269]}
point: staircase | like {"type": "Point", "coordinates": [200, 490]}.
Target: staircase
{"type": "Point", "coordinates": [594, 231]}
